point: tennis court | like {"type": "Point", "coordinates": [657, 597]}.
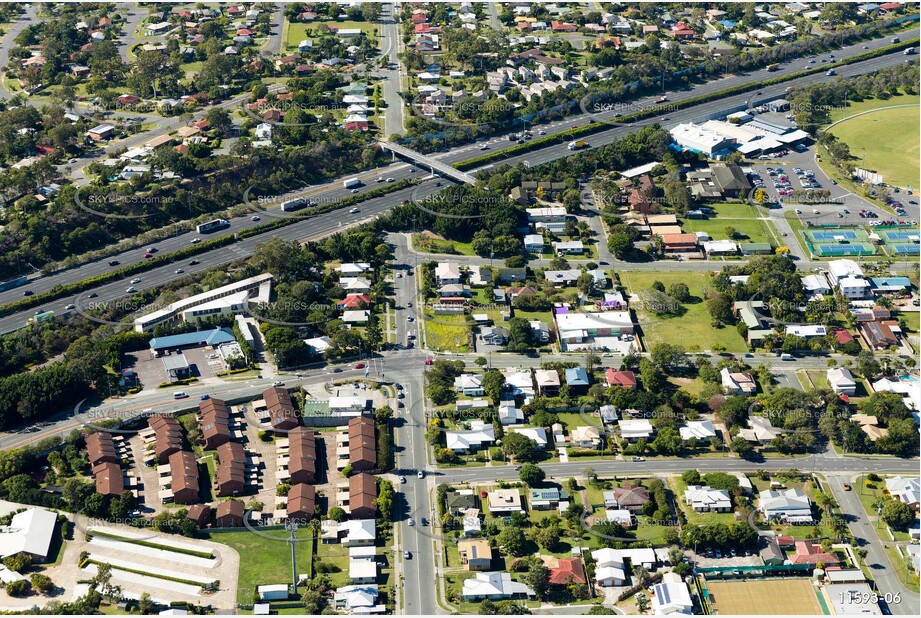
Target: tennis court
{"type": "Point", "coordinates": [901, 241]}
{"type": "Point", "coordinates": [839, 242]}
{"type": "Point", "coordinates": [767, 596]}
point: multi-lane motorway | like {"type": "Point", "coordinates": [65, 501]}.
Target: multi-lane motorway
{"type": "Point", "coordinates": [335, 191]}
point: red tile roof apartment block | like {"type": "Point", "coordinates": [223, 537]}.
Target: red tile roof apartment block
{"type": "Point", "coordinates": [229, 514]}
{"type": "Point", "coordinates": [214, 418]}
{"type": "Point", "coordinates": [362, 496]}
{"type": "Point", "coordinates": [302, 499]}
{"type": "Point", "coordinates": [282, 415]}
{"type": "Point", "coordinates": [302, 455]}
{"type": "Point", "coordinates": [168, 436]}
{"type": "Point", "coordinates": [184, 473]}
{"type": "Point", "coordinates": [231, 471]}
{"type": "Point", "coordinates": [100, 448]}
{"type": "Point", "coordinates": [362, 444]}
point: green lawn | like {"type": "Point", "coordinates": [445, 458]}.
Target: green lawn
{"type": "Point", "coordinates": [855, 107]}
{"type": "Point", "coordinates": [263, 561]}
{"type": "Point", "coordinates": [912, 319]}
{"type": "Point", "coordinates": [437, 245]}
{"type": "Point", "coordinates": [295, 33]}
{"type": "Point", "coordinates": [693, 329]}
{"type": "Point", "coordinates": [448, 333]}
{"type": "Point", "coordinates": [744, 218]}
{"type": "Point", "coordinates": [885, 141]}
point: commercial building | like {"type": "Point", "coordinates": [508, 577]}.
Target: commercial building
{"type": "Point", "coordinates": [200, 305]}
{"type": "Point", "coordinates": [30, 531]}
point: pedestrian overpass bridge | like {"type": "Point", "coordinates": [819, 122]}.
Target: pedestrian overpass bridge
{"type": "Point", "coordinates": [433, 164]}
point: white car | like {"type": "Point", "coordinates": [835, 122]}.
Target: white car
{"type": "Point", "coordinates": [254, 218]}
{"type": "Point", "coordinates": [178, 271]}
{"type": "Point", "coordinates": [355, 190]}
{"type": "Point", "coordinates": [402, 480]}
{"type": "Point", "coordinates": [131, 290]}
{"type": "Point", "coordinates": [354, 211]}
{"type": "Point", "coordinates": [815, 211]}
{"type": "Point", "coordinates": [391, 180]}
{"type": "Point", "coordinates": [135, 280]}
{"type": "Point", "coordinates": [541, 132]}
{"type": "Point", "coordinates": [278, 383]}
{"type": "Point", "coordinates": [380, 179]}
{"type": "Point", "coordinates": [420, 474]}
{"type": "Point", "coordinates": [195, 241]}
{"type": "Point", "coordinates": [69, 307]}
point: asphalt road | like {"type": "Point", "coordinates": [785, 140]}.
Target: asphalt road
{"type": "Point", "coordinates": [390, 41]}
{"type": "Point", "coordinates": [884, 572]}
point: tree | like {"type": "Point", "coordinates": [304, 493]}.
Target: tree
{"type": "Point", "coordinates": [337, 514]}
{"type": "Point", "coordinates": [547, 537]}
{"type": "Point", "coordinates": [18, 562]}
{"type": "Point", "coordinates": [642, 603]}
{"type": "Point", "coordinates": [41, 582]}
{"type": "Point", "coordinates": [512, 540]}
{"type": "Point", "coordinates": [532, 474]}
{"type": "Point", "coordinates": [519, 447]}
{"type": "Point", "coordinates": [741, 447]}
{"type": "Point", "coordinates": [146, 604]}
{"type": "Point", "coordinates": [538, 578]}
{"type": "Point", "coordinates": [897, 514]}
{"type": "Point", "coordinates": [667, 356]}
{"type": "Point", "coordinates": [679, 291]}
{"type": "Point", "coordinates": [18, 588]}
{"type": "Point", "coordinates": [481, 361]}
{"type": "Point", "coordinates": [493, 383]}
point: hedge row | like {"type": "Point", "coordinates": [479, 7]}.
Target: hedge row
{"type": "Point", "coordinates": [60, 291]}
{"type": "Point", "coordinates": [597, 127]}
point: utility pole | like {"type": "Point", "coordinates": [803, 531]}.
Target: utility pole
{"type": "Point", "coordinates": [292, 540]}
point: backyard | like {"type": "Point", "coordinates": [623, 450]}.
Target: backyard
{"type": "Point", "coordinates": [747, 222]}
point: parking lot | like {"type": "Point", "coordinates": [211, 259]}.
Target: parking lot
{"type": "Point", "coordinates": [203, 363]}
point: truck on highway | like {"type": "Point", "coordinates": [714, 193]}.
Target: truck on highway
{"type": "Point", "coordinates": [211, 226]}
{"type": "Point", "coordinates": [909, 52]}
{"type": "Point", "coordinates": [351, 183]}
{"type": "Point", "coordinates": [577, 145]}
{"type": "Point", "coordinates": [41, 316]}
{"type": "Point", "coordinates": [773, 67]}
{"type": "Point", "coordinates": [295, 204]}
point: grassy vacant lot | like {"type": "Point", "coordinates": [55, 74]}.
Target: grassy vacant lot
{"type": "Point", "coordinates": [693, 329]}
{"type": "Point", "coordinates": [263, 561]}
{"type": "Point", "coordinates": [428, 244]}
{"type": "Point", "coordinates": [743, 217]}
{"type": "Point", "coordinates": [767, 596]}
{"type": "Point", "coordinates": [296, 33]}
{"type": "Point", "coordinates": [855, 107]}
{"type": "Point", "coordinates": [885, 141]}
{"type": "Point", "coordinates": [446, 333]}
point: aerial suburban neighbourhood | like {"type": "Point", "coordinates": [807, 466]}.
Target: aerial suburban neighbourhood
{"type": "Point", "coordinates": [437, 308]}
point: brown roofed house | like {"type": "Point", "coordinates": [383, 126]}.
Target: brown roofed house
{"type": "Point", "coordinates": [362, 444]}
{"type": "Point", "coordinates": [184, 474]}
{"type": "Point", "coordinates": [215, 423]}
{"type": "Point", "coordinates": [570, 571]}
{"type": "Point", "coordinates": [282, 414]}
{"type": "Point", "coordinates": [200, 514]}
{"type": "Point", "coordinates": [231, 473]}
{"type": "Point", "coordinates": [100, 448]}
{"type": "Point", "coordinates": [631, 497]}
{"type": "Point", "coordinates": [362, 496]}
{"type": "Point", "coordinates": [302, 500]}
{"type": "Point", "coordinates": [625, 379]}
{"type": "Point", "coordinates": [639, 202]}
{"type": "Point", "coordinates": [679, 243]}
{"type": "Point", "coordinates": [229, 514]}
{"type": "Point", "coordinates": [109, 479]}
{"type": "Point", "coordinates": [168, 436]}
{"type": "Point", "coordinates": [302, 455]}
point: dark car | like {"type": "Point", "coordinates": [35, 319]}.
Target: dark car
{"type": "Point", "coordinates": [27, 292]}
{"type": "Point", "coordinates": [92, 295]}
{"type": "Point", "coordinates": [113, 263]}
{"type": "Point", "coordinates": [193, 262]}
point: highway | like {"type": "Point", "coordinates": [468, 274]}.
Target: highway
{"type": "Point", "coordinates": [334, 191]}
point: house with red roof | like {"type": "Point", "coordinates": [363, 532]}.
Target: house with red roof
{"type": "Point", "coordinates": [570, 571]}
{"type": "Point", "coordinates": [626, 379]}
{"type": "Point", "coordinates": [562, 26]}
{"type": "Point", "coordinates": [890, 6]}
{"type": "Point", "coordinates": [354, 301]}
{"type": "Point", "coordinates": [419, 18]}
{"type": "Point", "coordinates": [842, 336]}
{"type": "Point", "coordinates": [808, 553]}
{"type": "Point", "coordinates": [682, 30]}
{"type": "Point", "coordinates": [422, 29]}
{"type": "Point", "coordinates": [245, 32]}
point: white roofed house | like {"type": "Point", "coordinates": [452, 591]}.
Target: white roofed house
{"type": "Point", "coordinates": [504, 501]}
{"type": "Point", "coordinates": [494, 586]}
{"type": "Point", "coordinates": [671, 596]}
{"type": "Point", "coordinates": [520, 382]}
{"type": "Point", "coordinates": [447, 273]}
{"type": "Point", "coordinates": [538, 434]}
{"type": "Point", "coordinates": [609, 567]}
{"type": "Point", "coordinates": [907, 490]}
{"type": "Point", "coordinates": [704, 499]}
{"type": "Point", "coordinates": [509, 413]}
{"type": "Point", "coordinates": [632, 430]}
{"type": "Point", "coordinates": [585, 437]}
{"type": "Point", "coordinates": [479, 435]}
{"type": "Point", "coordinates": [841, 381]}
{"type": "Point", "coordinates": [789, 505]}
{"type": "Point", "coordinates": [701, 430]}
{"type": "Point", "coordinates": [470, 384]}
{"type": "Point", "coordinates": [760, 430]}
{"type": "Point", "coordinates": [737, 383]}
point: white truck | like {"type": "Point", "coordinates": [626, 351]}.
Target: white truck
{"type": "Point", "coordinates": [351, 183]}
{"type": "Point", "coordinates": [295, 204]}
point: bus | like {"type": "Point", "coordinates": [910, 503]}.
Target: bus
{"type": "Point", "coordinates": [211, 226]}
{"type": "Point", "coordinates": [41, 316]}
{"type": "Point", "coordinates": [773, 67]}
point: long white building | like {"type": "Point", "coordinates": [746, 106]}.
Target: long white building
{"type": "Point", "coordinates": [227, 299]}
